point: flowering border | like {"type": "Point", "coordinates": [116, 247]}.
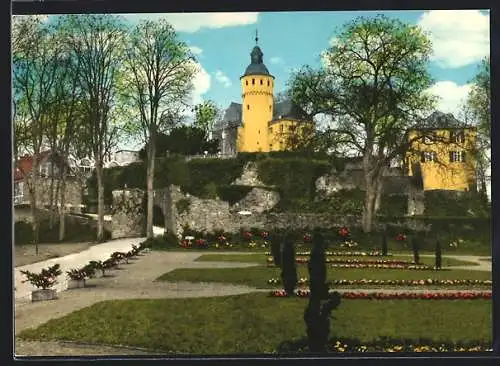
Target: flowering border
{"type": "Point", "coordinates": [394, 346]}
{"type": "Point", "coordinates": [374, 253]}
{"type": "Point", "coordinates": [358, 295]}
{"type": "Point", "coordinates": [426, 282]}
{"type": "Point", "coordinates": [303, 260]}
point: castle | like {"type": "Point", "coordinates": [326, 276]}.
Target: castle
{"type": "Point", "coordinates": [259, 124]}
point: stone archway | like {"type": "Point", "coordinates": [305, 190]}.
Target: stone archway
{"type": "Point", "coordinates": [158, 216]}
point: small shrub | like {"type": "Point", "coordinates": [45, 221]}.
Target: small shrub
{"type": "Point", "coordinates": [415, 247]}
{"type": "Point", "coordinates": [77, 274]}
{"type": "Point", "coordinates": [183, 206]}
{"type": "Point", "coordinates": [288, 266]}
{"type": "Point", "coordinates": [384, 243]}
{"type": "Point", "coordinates": [321, 304]}
{"type": "Point", "coordinates": [438, 255]}
{"type": "Point", "coordinates": [46, 279]}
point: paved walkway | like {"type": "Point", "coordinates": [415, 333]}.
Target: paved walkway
{"type": "Point", "coordinates": [71, 261]}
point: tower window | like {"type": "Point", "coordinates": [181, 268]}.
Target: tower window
{"type": "Point", "coordinates": [269, 108]}
{"type": "Point", "coordinates": [268, 83]}
{"type": "Point", "coordinates": [253, 81]}
{"type": "Point", "coordinates": [246, 82]}
{"type": "Point", "coordinates": [259, 132]}
{"type": "Point", "coordinates": [248, 106]}
{"type": "Point", "coordinates": [261, 82]}
{"type": "Point", "coordinates": [457, 156]}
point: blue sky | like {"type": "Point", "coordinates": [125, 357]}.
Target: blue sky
{"type": "Point", "coordinates": [289, 40]}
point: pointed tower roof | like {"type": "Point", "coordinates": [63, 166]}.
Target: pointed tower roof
{"type": "Point", "coordinates": [256, 66]}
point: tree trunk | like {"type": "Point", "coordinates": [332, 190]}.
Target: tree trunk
{"type": "Point", "coordinates": [100, 202]}
{"type": "Point", "coordinates": [369, 208]}
{"type": "Point", "coordinates": [62, 206]}
{"type": "Point", "coordinates": [33, 203]}
{"type": "Point", "coordinates": [51, 197]}
{"type": "Point", "coordinates": [150, 192]}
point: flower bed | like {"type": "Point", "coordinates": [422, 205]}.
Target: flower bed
{"type": "Point", "coordinates": [358, 295]}
{"type": "Point", "coordinates": [426, 282]}
{"type": "Point", "coordinates": [303, 260]}
{"type": "Point", "coordinates": [394, 345]}
{"type": "Point", "coordinates": [416, 267]}
{"type": "Point", "coordinates": [373, 253]}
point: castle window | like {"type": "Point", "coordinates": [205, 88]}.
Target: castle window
{"type": "Point", "coordinates": [281, 127]}
{"type": "Point", "coordinates": [457, 136]}
{"type": "Point", "coordinates": [261, 82]}
{"type": "Point", "coordinates": [253, 81]}
{"type": "Point", "coordinates": [457, 156]}
{"type": "Point", "coordinates": [268, 83]}
{"type": "Point", "coordinates": [246, 82]}
{"type": "Point", "coordinates": [269, 108]}
{"type": "Point", "coordinates": [259, 132]}
{"type": "Point", "coordinates": [270, 146]}
{"type": "Point", "coordinates": [429, 138]}
{"type": "Point", "coordinates": [248, 106]}
{"type": "Point", "coordinates": [428, 156]}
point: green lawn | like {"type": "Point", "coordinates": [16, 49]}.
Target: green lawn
{"type": "Point", "coordinates": [258, 276]}
{"type": "Point", "coordinates": [260, 258]}
{"type": "Point", "coordinates": [257, 323]}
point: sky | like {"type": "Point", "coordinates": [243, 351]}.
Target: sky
{"type": "Point", "coordinates": [222, 43]}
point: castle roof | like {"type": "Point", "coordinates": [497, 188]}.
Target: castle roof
{"type": "Point", "coordinates": [440, 120]}
{"type": "Point", "coordinates": [288, 109]}
{"type": "Point", "coordinates": [256, 66]}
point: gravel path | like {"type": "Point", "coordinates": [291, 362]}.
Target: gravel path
{"type": "Point", "coordinates": [133, 281]}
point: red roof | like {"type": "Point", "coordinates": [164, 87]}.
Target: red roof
{"type": "Point", "coordinates": [25, 163]}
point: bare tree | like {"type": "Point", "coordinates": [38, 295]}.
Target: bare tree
{"type": "Point", "coordinates": [96, 42]}
{"type": "Point", "coordinates": [160, 70]}
{"type": "Point", "coordinates": [35, 61]}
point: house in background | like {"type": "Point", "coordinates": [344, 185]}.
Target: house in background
{"type": "Point", "coordinates": [50, 165]}
{"type": "Point", "coordinates": [125, 157]}
{"type": "Point", "coordinates": [444, 152]}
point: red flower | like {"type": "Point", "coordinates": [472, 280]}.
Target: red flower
{"type": "Point", "coordinates": [307, 237]}
{"type": "Point", "coordinates": [401, 237]}
{"type": "Point", "coordinates": [344, 232]}
{"type": "Point", "coordinates": [221, 239]}
{"type": "Point", "coordinates": [264, 235]}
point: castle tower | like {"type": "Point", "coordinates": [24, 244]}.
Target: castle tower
{"type": "Point", "coordinates": [257, 107]}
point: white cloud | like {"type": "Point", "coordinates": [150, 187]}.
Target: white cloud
{"type": "Point", "coordinates": [223, 79]}
{"type": "Point", "coordinates": [196, 50]}
{"type": "Point", "coordinates": [451, 96]}
{"type": "Point", "coordinates": [201, 84]}
{"type": "Point", "coordinates": [276, 60]}
{"type": "Point", "coordinates": [459, 37]}
{"type": "Point", "coordinates": [193, 22]}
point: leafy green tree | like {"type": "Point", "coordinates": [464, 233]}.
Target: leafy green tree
{"type": "Point", "coordinates": [478, 109]}
{"type": "Point", "coordinates": [157, 81]}
{"type": "Point", "coordinates": [206, 115]}
{"type": "Point", "coordinates": [372, 87]}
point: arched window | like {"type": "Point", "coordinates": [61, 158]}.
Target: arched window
{"type": "Point", "coordinates": [268, 83]}
{"type": "Point", "coordinates": [253, 81]}
{"type": "Point", "coordinates": [261, 82]}
{"type": "Point", "coordinates": [246, 82]}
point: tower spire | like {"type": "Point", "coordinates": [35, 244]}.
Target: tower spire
{"type": "Point", "coordinates": [256, 37]}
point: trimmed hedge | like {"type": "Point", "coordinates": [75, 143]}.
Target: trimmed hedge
{"type": "Point", "coordinates": [75, 232]}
